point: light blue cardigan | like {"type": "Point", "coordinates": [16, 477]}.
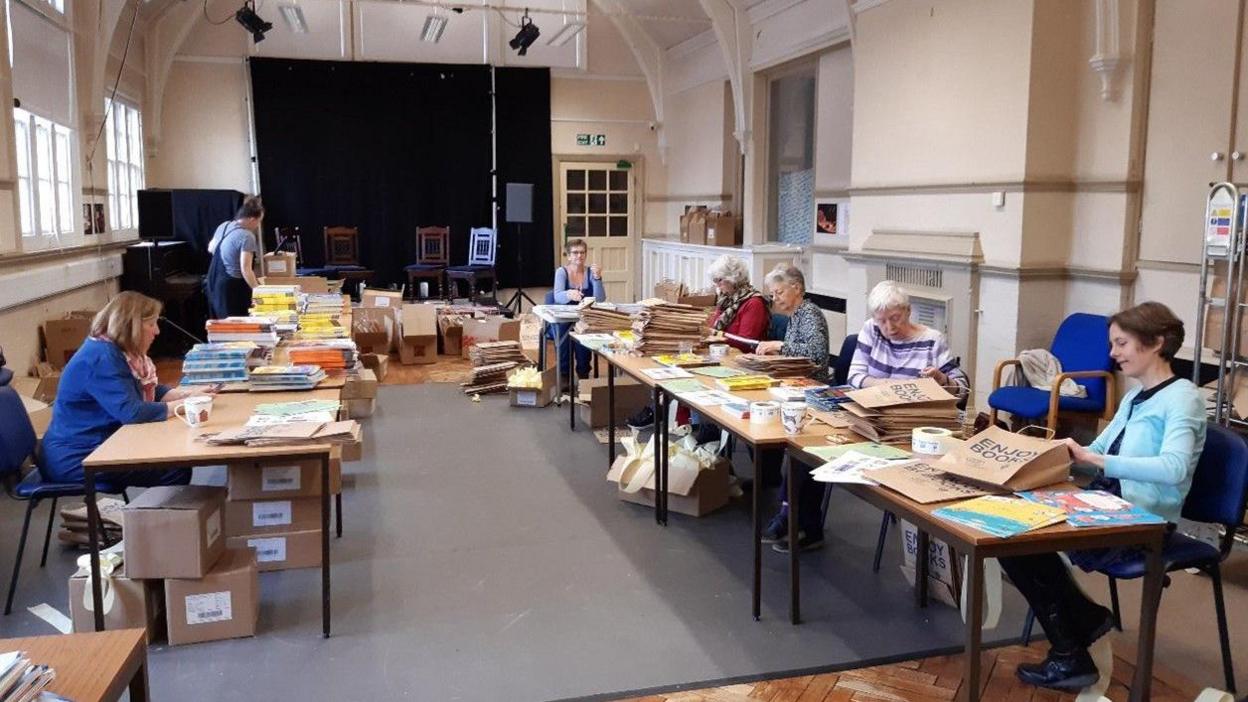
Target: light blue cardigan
{"type": "Point", "coordinates": [1160, 449]}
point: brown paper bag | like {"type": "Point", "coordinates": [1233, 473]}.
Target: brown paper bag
{"type": "Point", "coordinates": [924, 391]}
{"type": "Point", "coordinates": [1011, 461]}
{"type": "Point", "coordinates": [923, 483]}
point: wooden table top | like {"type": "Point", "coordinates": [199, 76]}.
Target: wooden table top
{"type": "Point", "coordinates": [1065, 536]}
{"type": "Point", "coordinates": [92, 667]}
{"type": "Point", "coordinates": [759, 435]}
{"type": "Point", "coordinates": [173, 442]}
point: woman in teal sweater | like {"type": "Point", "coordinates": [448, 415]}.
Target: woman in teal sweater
{"type": "Point", "coordinates": [1147, 455]}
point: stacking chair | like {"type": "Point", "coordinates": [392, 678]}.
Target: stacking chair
{"type": "Point", "coordinates": [17, 443]}
{"type": "Point", "coordinates": [1082, 346]}
{"type": "Point", "coordinates": [431, 257]}
{"type": "Point", "coordinates": [482, 244]}
{"type": "Point", "coordinates": [1219, 495]}
{"type": "Point", "coordinates": [342, 257]}
{"type": "Point", "coordinates": [289, 239]}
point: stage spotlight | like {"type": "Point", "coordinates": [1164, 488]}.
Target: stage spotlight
{"type": "Point", "coordinates": [526, 36]}
{"type": "Point", "coordinates": [247, 17]}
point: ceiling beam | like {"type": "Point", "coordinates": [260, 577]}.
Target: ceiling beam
{"type": "Point", "coordinates": [164, 40]}
{"type": "Point", "coordinates": [650, 57]}
{"type": "Point", "coordinates": [732, 28]}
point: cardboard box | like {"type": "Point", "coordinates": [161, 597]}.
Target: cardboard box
{"type": "Point", "coordinates": [689, 491]}
{"type": "Point", "coordinates": [136, 604]}
{"type": "Point", "coordinates": [698, 299]}
{"type": "Point", "coordinates": [362, 408]}
{"type": "Point", "coordinates": [280, 264]}
{"type": "Point", "coordinates": [224, 604]}
{"type": "Point", "coordinates": [250, 481]}
{"type": "Point", "coordinates": [495, 328]}
{"type": "Point", "coordinates": [62, 337]}
{"type": "Point", "coordinates": [1213, 332]}
{"type": "Point", "coordinates": [252, 517]}
{"type": "Point", "coordinates": [419, 327]}
{"type": "Point", "coordinates": [282, 551]}
{"type": "Point", "coordinates": [536, 397]}
{"type": "Point", "coordinates": [306, 283]}
{"type": "Point", "coordinates": [373, 329]}
{"type": "Point", "coordinates": [372, 297]}
{"type": "Point", "coordinates": [685, 219]}
{"type": "Point", "coordinates": [39, 413]}
{"type": "Point", "coordinates": [630, 396]}
{"type": "Point", "coordinates": [451, 337]}
{"type": "Point", "coordinates": [722, 229]}
{"type": "Point", "coordinates": [378, 363]}
{"type": "Point", "coordinates": [361, 385]}
{"type": "Point", "coordinates": [693, 226]}
{"type": "Point", "coordinates": [174, 531]}
{"type": "Point", "coordinates": [42, 389]}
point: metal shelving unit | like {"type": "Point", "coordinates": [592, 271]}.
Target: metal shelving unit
{"type": "Point", "coordinates": [1223, 255]}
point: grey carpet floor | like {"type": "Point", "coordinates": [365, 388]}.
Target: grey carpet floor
{"type": "Point", "coordinates": [486, 558]}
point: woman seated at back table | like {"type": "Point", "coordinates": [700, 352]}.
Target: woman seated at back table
{"type": "Point", "coordinates": [108, 382]}
{"type": "Point", "coordinates": [807, 335]}
{"type": "Point", "coordinates": [573, 283]}
{"type": "Point", "coordinates": [892, 347]}
{"type": "Point", "coordinates": [740, 309]}
{"type": "Point", "coordinates": [1147, 455]}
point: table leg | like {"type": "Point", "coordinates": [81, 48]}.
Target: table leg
{"type": "Point", "coordinates": [595, 355]}
{"type": "Point", "coordinates": [795, 605]}
{"type": "Point", "coordinates": [974, 624]}
{"type": "Point", "coordinates": [572, 378]}
{"type": "Point", "coordinates": [93, 538]}
{"type": "Point", "coordinates": [758, 534]}
{"type": "Point", "coordinates": [138, 683]}
{"type": "Point", "coordinates": [610, 412]}
{"type": "Point", "coordinates": [558, 371]}
{"type": "Point", "coordinates": [657, 434]}
{"type": "Point", "coordinates": [662, 446]}
{"type": "Point", "coordinates": [325, 545]}
{"type": "Point", "coordinates": [541, 347]}
{"type": "Point", "coordinates": [1150, 600]}
{"type": "Point", "coordinates": [920, 570]}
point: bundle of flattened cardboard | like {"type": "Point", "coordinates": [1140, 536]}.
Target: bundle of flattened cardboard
{"type": "Point", "coordinates": [889, 413]}
{"type": "Point", "coordinates": [662, 327]}
{"type": "Point", "coordinates": [599, 318]}
{"type": "Point", "coordinates": [777, 366]}
{"type": "Point", "coordinates": [488, 378]}
{"type": "Point", "coordinates": [74, 521]}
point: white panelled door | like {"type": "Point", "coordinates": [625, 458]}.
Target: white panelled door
{"type": "Point", "coordinates": [597, 203]}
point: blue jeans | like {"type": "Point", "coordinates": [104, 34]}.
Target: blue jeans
{"type": "Point", "coordinates": [564, 351]}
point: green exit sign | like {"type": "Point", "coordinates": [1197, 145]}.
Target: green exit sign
{"type": "Point", "coordinates": [591, 139]}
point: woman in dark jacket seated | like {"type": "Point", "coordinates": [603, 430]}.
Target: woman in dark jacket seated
{"type": "Point", "coordinates": [108, 382]}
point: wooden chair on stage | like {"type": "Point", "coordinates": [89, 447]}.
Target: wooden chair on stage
{"type": "Point", "coordinates": [342, 257]}
{"type": "Point", "coordinates": [432, 257]}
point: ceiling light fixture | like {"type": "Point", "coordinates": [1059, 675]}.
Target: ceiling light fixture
{"type": "Point", "coordinates": [293, 14]}
{"type": "Point", "coordinates": [434, 26]}
{"type": "Point", "coordinates": [566, 33]}
{"type": "Point", "coordinates": [526, 36]}
{"type": "Point", "coordinates": [247, 17]}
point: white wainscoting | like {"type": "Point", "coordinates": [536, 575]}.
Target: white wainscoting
{"type": "Point", "coordinates": [687, 263]}
{"type": "Point", "coordinates": [45, 280]}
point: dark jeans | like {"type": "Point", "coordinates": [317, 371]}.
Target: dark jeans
{"type": "Point", "coordinates": [1069, 618]}
{"type": "Point", "coordinates": [139, 478]}
{"type": "Point", "coordinates": [809, 498]}
{"type": "Point", "coordinates": [565, 353]}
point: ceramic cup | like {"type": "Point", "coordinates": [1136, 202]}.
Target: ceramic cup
{"type": "Point", "coordinates": [793, 416]}
{"type": "Point", "coordinates": [718, 351]}
{"type": "Point", "coordinates": [195, 410]}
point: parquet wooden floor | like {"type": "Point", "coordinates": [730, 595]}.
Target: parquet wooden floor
{"type": "Point", "coordinates": [935, 679]}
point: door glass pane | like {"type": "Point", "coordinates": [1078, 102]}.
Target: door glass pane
{"type": "Point", "coordinates": [619, 203]}
{"type": "Point", "coordinates": [576, 203]}
{"type": "Point", "coordinates": [619, 226]}
{"type": "Point", "coordinates": [619, 180]}
{"type": "Point", "coordinates": [597, 180]}
{"type": "Point", "coordinates": [597, 203]}
{"type": "Point", "coordinates": [597, 226]}
{"type": "Point", "coordinates": [576, 226]}
{"type": "Point", "coordinates": [576, 180]}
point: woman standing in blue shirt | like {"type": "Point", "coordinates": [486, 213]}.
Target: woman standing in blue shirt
{"type": "Point", "coordinates": [1147, 455]}
{"type": "Point", "coordinates": [108, 382]}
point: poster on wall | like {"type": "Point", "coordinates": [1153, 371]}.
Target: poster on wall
{"type": "Point", "coordinates": [98, 208]}
{"type": "Point", "coordinates": [88, 222]}
{"type": "Point", "coordinates": [831, 218]}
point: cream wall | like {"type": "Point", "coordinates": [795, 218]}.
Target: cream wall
{"type": "Point", "coordinates": [19, 326]}
{"type": "Point", "coordinates": [205, 137]}
{"type": "Point", "coordinates": [700, 153]}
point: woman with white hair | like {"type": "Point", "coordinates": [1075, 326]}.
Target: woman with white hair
{"type": "Point", "coordinates": [740, 309]}
{"type": "Point", "coordinates": [892, 347]}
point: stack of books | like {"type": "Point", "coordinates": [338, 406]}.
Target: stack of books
{"type": "Point", "coordinates": [490, 352]}
{"type": "Point", "coordinates": [330, 354]}
{"type": "Point", "coordinates": [274, 378]}
{"type": "Point", "coordinates": [258, 330]}
{"type": "Point", "coordinates": [1088, 508]}
{"type": "Point", "coordinates": [21, 680]}
{"type": "Point", "coordinates": [740, 383]}
{"type": "Point", "coordinates": [279, 303]}
{"type": "Point", "coordinates": [320, 317]}
{"type": "Point", "coordinates": [795, 389]}
{"type": "Point", "coordinates": [666, 327]}
{"type": "Point", "coordinates": [1001, 516]}
{"type": "Point", "coordinates": [603, 318]}
{"type": "Point", "coordinates": [777, 366]}
{"type": "Point", "coordinates": [206, 364]}
{"type": "Point", "coordinates": [488, 378]}
{"type": "Point", "coordinates": [683, 360]}
{"type": "Point", "coordinates": [889, 413]}
{"type": "Point", "coordinates": [827, 399]}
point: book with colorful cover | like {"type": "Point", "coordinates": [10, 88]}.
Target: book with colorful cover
{"type": "Point", "coordinates": [1001, 516]}
{"type": "Point", "coordinates": [745, 382]}
{"type": "Point", "coordinates": [682, 360]}
{"type": "Point", "coordinates": [828, 398]}
{"type": "Point", "coordinates": [718, 371]}
{"type": "Point", "coordinates": [795, 389]}
{"type": "Point", "coordinates": [681, 386]}
{"type": "Point", "coordinates": [1087, 508]}
{"type": "Point", "coordinates": [867, 448]}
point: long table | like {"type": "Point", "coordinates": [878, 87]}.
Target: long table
{"type": "Point", "coordinates": [92, 667]}
{"type": "Point", "coordinates": [172, 444]}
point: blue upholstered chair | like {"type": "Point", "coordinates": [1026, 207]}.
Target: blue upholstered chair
{"type": "Point", "coordinates": [1082, 346]}
{"type": "Point", "coordinates": [482, 244]}
{"type": "Point", "coordinates": [17, 443]}
{"type": "Point", "coordinates": [1218, 496]}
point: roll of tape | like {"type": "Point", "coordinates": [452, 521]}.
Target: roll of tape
{"type": "Point", "coordinates": [764, 412]}
{"type": "Point", "coordinates": [930, 441]}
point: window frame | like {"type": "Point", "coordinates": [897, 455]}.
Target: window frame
{"type": "Point", "coordinates": [123, 154]}
{"type": "Point", "coordinates": [49, 171]}
{"type": "Point", "coordinates": [806, 67]}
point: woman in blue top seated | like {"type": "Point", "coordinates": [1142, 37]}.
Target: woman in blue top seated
{"type": "Point", "coordinates": [573, 283]}
{"type": "Point", "coordinates": [108, 382]}
{"type": "Point", "coordinates": [1147, 455]}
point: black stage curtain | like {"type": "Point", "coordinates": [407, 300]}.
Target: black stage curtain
{"type": "Point", "coordinates": [388, 147]}
{"type": "Point", "coordinates": [523, 104]}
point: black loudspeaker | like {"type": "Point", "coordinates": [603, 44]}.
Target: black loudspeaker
{"type": "Point", "coordinates": [520, 202]}
{"type": "Point", "coordinates": [156, 214]}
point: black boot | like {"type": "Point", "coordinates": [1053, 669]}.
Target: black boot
{"type": "Point", "coordinates": [1068, 665]}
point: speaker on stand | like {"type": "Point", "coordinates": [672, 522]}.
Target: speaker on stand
{"type": "Point", "coordinates": [519, 212]}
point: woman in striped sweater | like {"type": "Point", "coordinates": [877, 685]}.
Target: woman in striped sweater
{"type": "Point", "coordinates": [892, 347]}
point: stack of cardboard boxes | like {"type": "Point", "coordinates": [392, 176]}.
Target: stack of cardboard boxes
{"type": "Point", "coordinates": [276, 510]}
{"type": "Point", "coordinates": [699, 225]}
{"type": "Point", "coordinates": [63, 336]}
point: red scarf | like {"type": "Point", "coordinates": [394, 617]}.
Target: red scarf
{"type": "Point", "coordinates": [141, 367]}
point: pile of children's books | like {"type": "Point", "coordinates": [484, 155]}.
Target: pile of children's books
{"type": "Point", "coordinates": [740, 383]}
{"type": "Point", "coordinates": [273, 378]}
{"type": "Point", "coordinates": [1001, 516]}
{"type": "Point", "coordinates": [277, 302]}
{"type": "Point", "coordinates": [795, 389]}
{"type": "Point", "coordinates": [827, 399]}
{"type": "Point", "coordinates": [216, 363]}
{"type": "Point", "coordinates": [258, 330]}
{"type": "Point", "coordinates": [1087, 508]}
{"type": "Point", "coordinates": [320, 317]}
{"type": "Point", "coordinates": [329, 354]}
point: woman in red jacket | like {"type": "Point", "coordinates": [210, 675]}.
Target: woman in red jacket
{"type": "Point", "coordinates": [740, 309]}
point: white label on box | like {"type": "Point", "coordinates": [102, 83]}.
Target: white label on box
{"type": "Point", "coordinates": [279, 478]}
{"type": "Point", "coordinates": [277, 266]}
{"type": "Point", "coordinates": [526, 398]}
{"type": "Point", "coordinates": [212, 527]}
{"type": "Point", "coordinates": [269, 550]}
{"type": "Point", "coordinates": [264, 514]}
{"type": "Point", "coordinates": [209, 607]}
{"type": "Point", "coordinates": [381, 301]}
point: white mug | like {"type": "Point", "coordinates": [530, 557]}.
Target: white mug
{"type": "Point", "coordinates": [793, 416]}
{"type": "Point", "coordinates": [718, 351]}
{"type": "Point", "coordinates": [195, 410]}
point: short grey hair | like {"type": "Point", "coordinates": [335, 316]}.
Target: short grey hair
{"type": "Point", "coordinates": [887, 295]}
{"type": "Point", "coordinates": [731, 269]}
{"type": "Point", "coordinates": [788, 274]}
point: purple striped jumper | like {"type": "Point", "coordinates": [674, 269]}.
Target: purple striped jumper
{"type": "Point", "coordinates": [878, 357]}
